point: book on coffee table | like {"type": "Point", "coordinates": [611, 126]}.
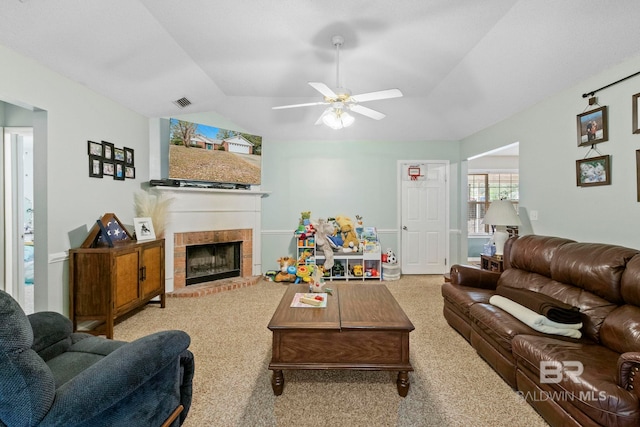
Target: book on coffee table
{"type": "Point", "coordinates": [307, 300]}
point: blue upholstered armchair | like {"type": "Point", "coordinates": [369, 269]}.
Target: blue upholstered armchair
{"type": "Point", "coordinates": [50, 376]}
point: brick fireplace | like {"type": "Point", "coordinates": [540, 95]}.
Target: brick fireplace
{"type": "Point", "coordinates": [182, 240]}
{"type": "Point", "coordinates": [203, 215]}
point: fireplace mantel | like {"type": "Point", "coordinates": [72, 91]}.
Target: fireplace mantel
{"type": "Point", "coordinates": [195, 209]}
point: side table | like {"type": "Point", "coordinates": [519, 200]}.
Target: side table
{"type": "Point", "coordinates": [491, 263]}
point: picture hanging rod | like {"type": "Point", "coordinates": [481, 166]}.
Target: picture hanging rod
{"type": "Point", "coordinates": [593, 92]}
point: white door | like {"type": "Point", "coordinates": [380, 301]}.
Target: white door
{"type": "Point", "coordinates": [424, 217]}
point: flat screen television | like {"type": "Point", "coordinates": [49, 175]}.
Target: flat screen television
{"type": "Point", "coordinates": [206, 154]}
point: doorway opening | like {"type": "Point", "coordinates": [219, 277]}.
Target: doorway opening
{"type": "Point", "coordinates": [19, 226]}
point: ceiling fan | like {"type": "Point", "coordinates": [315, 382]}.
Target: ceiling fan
{"type": "Point", "coordinates": [341, 101]}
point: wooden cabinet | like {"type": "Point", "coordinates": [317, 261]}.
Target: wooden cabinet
{"type": "Point", "coordinates": [107, 282]}
{"type": "Point", "coordinates": [491, 263]}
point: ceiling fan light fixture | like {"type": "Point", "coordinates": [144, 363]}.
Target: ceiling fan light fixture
{"type": "Point", "coordinates": [337, 118]}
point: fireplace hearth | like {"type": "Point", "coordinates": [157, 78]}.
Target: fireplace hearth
{"type": "Point", "coordinates": [201, 238]}
{"type": "Point", "coordinates": [212, 261]}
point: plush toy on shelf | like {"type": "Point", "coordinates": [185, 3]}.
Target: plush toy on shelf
{"type": "Point", "coordinates": [323, 231]}
{"type": "Point", "coordinates": [287, 270]}
{"type": "Point", "coordinates": [350, 242]}
{"type": "Point", "coordinates": [305, 228]}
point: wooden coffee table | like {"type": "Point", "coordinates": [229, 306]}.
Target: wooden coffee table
{"type": "Point", "coordinates": [362, 328]}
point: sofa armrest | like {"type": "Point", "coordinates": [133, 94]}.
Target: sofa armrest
{"type": "Point", "coordinates": [629, 371]}
{"type": "Point", "coordinates": [51, 333]}
{"type": "Point", "coordinates": [118, 375]}
{"type": "Point", "coordinates": [473, 276]}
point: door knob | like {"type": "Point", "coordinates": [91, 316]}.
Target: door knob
{"type": "Point", "coordinates": [404, 227]}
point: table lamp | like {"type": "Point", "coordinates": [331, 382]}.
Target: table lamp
{"type": "Point", "coordinates": [500, 214]}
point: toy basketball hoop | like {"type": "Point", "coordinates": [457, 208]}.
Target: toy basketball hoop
{"type": "Point", "coordinates": [414, 173]}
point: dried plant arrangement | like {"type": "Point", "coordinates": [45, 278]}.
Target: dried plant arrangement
{"type": "Point", "coordinates": [154, 205]}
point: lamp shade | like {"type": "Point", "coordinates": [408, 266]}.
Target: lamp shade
{"type": "Point", "coordinates": [501, 212]}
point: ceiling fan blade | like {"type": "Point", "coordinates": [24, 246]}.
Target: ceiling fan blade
{"type": "Point", "coordinates": [381, 94]}
{"type": "Point", "coordinates": [323, 89]}
{"type": "Point", "coordinates": [308, 104]}
{"type": "Point", "coordinates": [373, 114]}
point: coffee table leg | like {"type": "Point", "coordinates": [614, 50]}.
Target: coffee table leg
{"type": "Point", "coordinates": [403, 383]}
{"type": "Point", "coordinates": [277, 382]}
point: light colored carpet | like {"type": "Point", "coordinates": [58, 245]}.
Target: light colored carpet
{"type": "Point", "coordinates": [450, 386]}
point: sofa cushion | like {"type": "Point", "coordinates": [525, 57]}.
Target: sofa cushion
{"type": "Point", "coordinates": [629, 283]}
{"type": "Point", "coordinates": [595, 391]}
{"type": "Point", "coordinates": [593, 308]}
{"type": "Point", "coordinates": [80, 356]}
{"type": "Point", "coordinates": [463, 297]}
{"type": "Point", "coordinates": [621, 329]}
{"type": "Point", "coordinates": [534, 253]}
{"type": "Point", "coordinates": [53, 333]}
{"type": "Point", "coordinates": [497, 326]}
{"type": "Point", "coordinates": [27, 387]}
{"type": "Point", "coordinates": [596, 268]}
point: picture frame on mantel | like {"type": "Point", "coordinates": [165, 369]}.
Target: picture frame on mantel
{"type": "Point", "coordinates": [593, 127]}
{"type": "Point", "coordinates": [635, 100]}
{"type": "Point", "coordinates": [593, 171]}
{"type": "Point", "coordinates": [144, 229]}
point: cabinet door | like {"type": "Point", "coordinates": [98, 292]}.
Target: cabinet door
{"type": "Point", "coordinates": [152, 265]}
{"type": "Point", "coordinates": [126, 271]}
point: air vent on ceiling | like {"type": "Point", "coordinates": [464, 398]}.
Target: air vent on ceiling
{"type": "Point", "coordinates": [182, 102]}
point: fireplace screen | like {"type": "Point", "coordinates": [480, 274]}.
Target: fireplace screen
{"type": "Point", "coordinates": [213, 261]}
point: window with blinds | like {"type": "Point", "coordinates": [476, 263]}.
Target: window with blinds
{"type": "Point", "coordinates": [482, 190]}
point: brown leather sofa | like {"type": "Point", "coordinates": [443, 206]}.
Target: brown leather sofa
{"type": "Point", "coordinates": [571, 382]}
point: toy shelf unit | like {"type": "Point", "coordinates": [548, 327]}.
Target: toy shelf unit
{"type": "Point", "coordinates": [305, 250]}
{"type": "Point", "coordinates": [353, 266]}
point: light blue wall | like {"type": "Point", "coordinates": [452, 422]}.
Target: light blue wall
{"type": "Point", "coordinates": [65, 115]}
{"type": "Point", "coordinates": [332, 178]}
{"type": "Point", "coordinates": [547, 134]}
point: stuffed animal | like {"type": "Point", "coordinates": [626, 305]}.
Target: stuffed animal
{"type": "Point", "coordinates": [350, 241]}
{"type": "Point", "coordinates": [391, 257]}
{"type": "Point", "coordinates": [323, 231]}
{"type": "Point", "coordinates": [284, 274]}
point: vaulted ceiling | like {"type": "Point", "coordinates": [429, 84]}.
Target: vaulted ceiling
{"type": "Point", "coordinates": [461, 64]}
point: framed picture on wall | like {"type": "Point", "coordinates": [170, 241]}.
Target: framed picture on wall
{"type": "Point", "coordinates": [118, 172]}
{"type": "Point", "coordinates": [95, 148]}
{"type": "Point", "coordinates": [593, 171]}
{"type": "Point", "coordinates": [108, 168]}
{"type": "Point", "coordinates": [129, 172]}
{"type": "Point", "coordinates": [95, 166]}
{"type": "Point", "coordinates": [128, 156]}
{"type": "Point", "coordinates": [635, 99]}
{"type": "Point", "coordinates": [107, 150]}
{"type": "Point", "coordinates": [118, 154]}
{"type": "Point", "coordinates": [592, 127]}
